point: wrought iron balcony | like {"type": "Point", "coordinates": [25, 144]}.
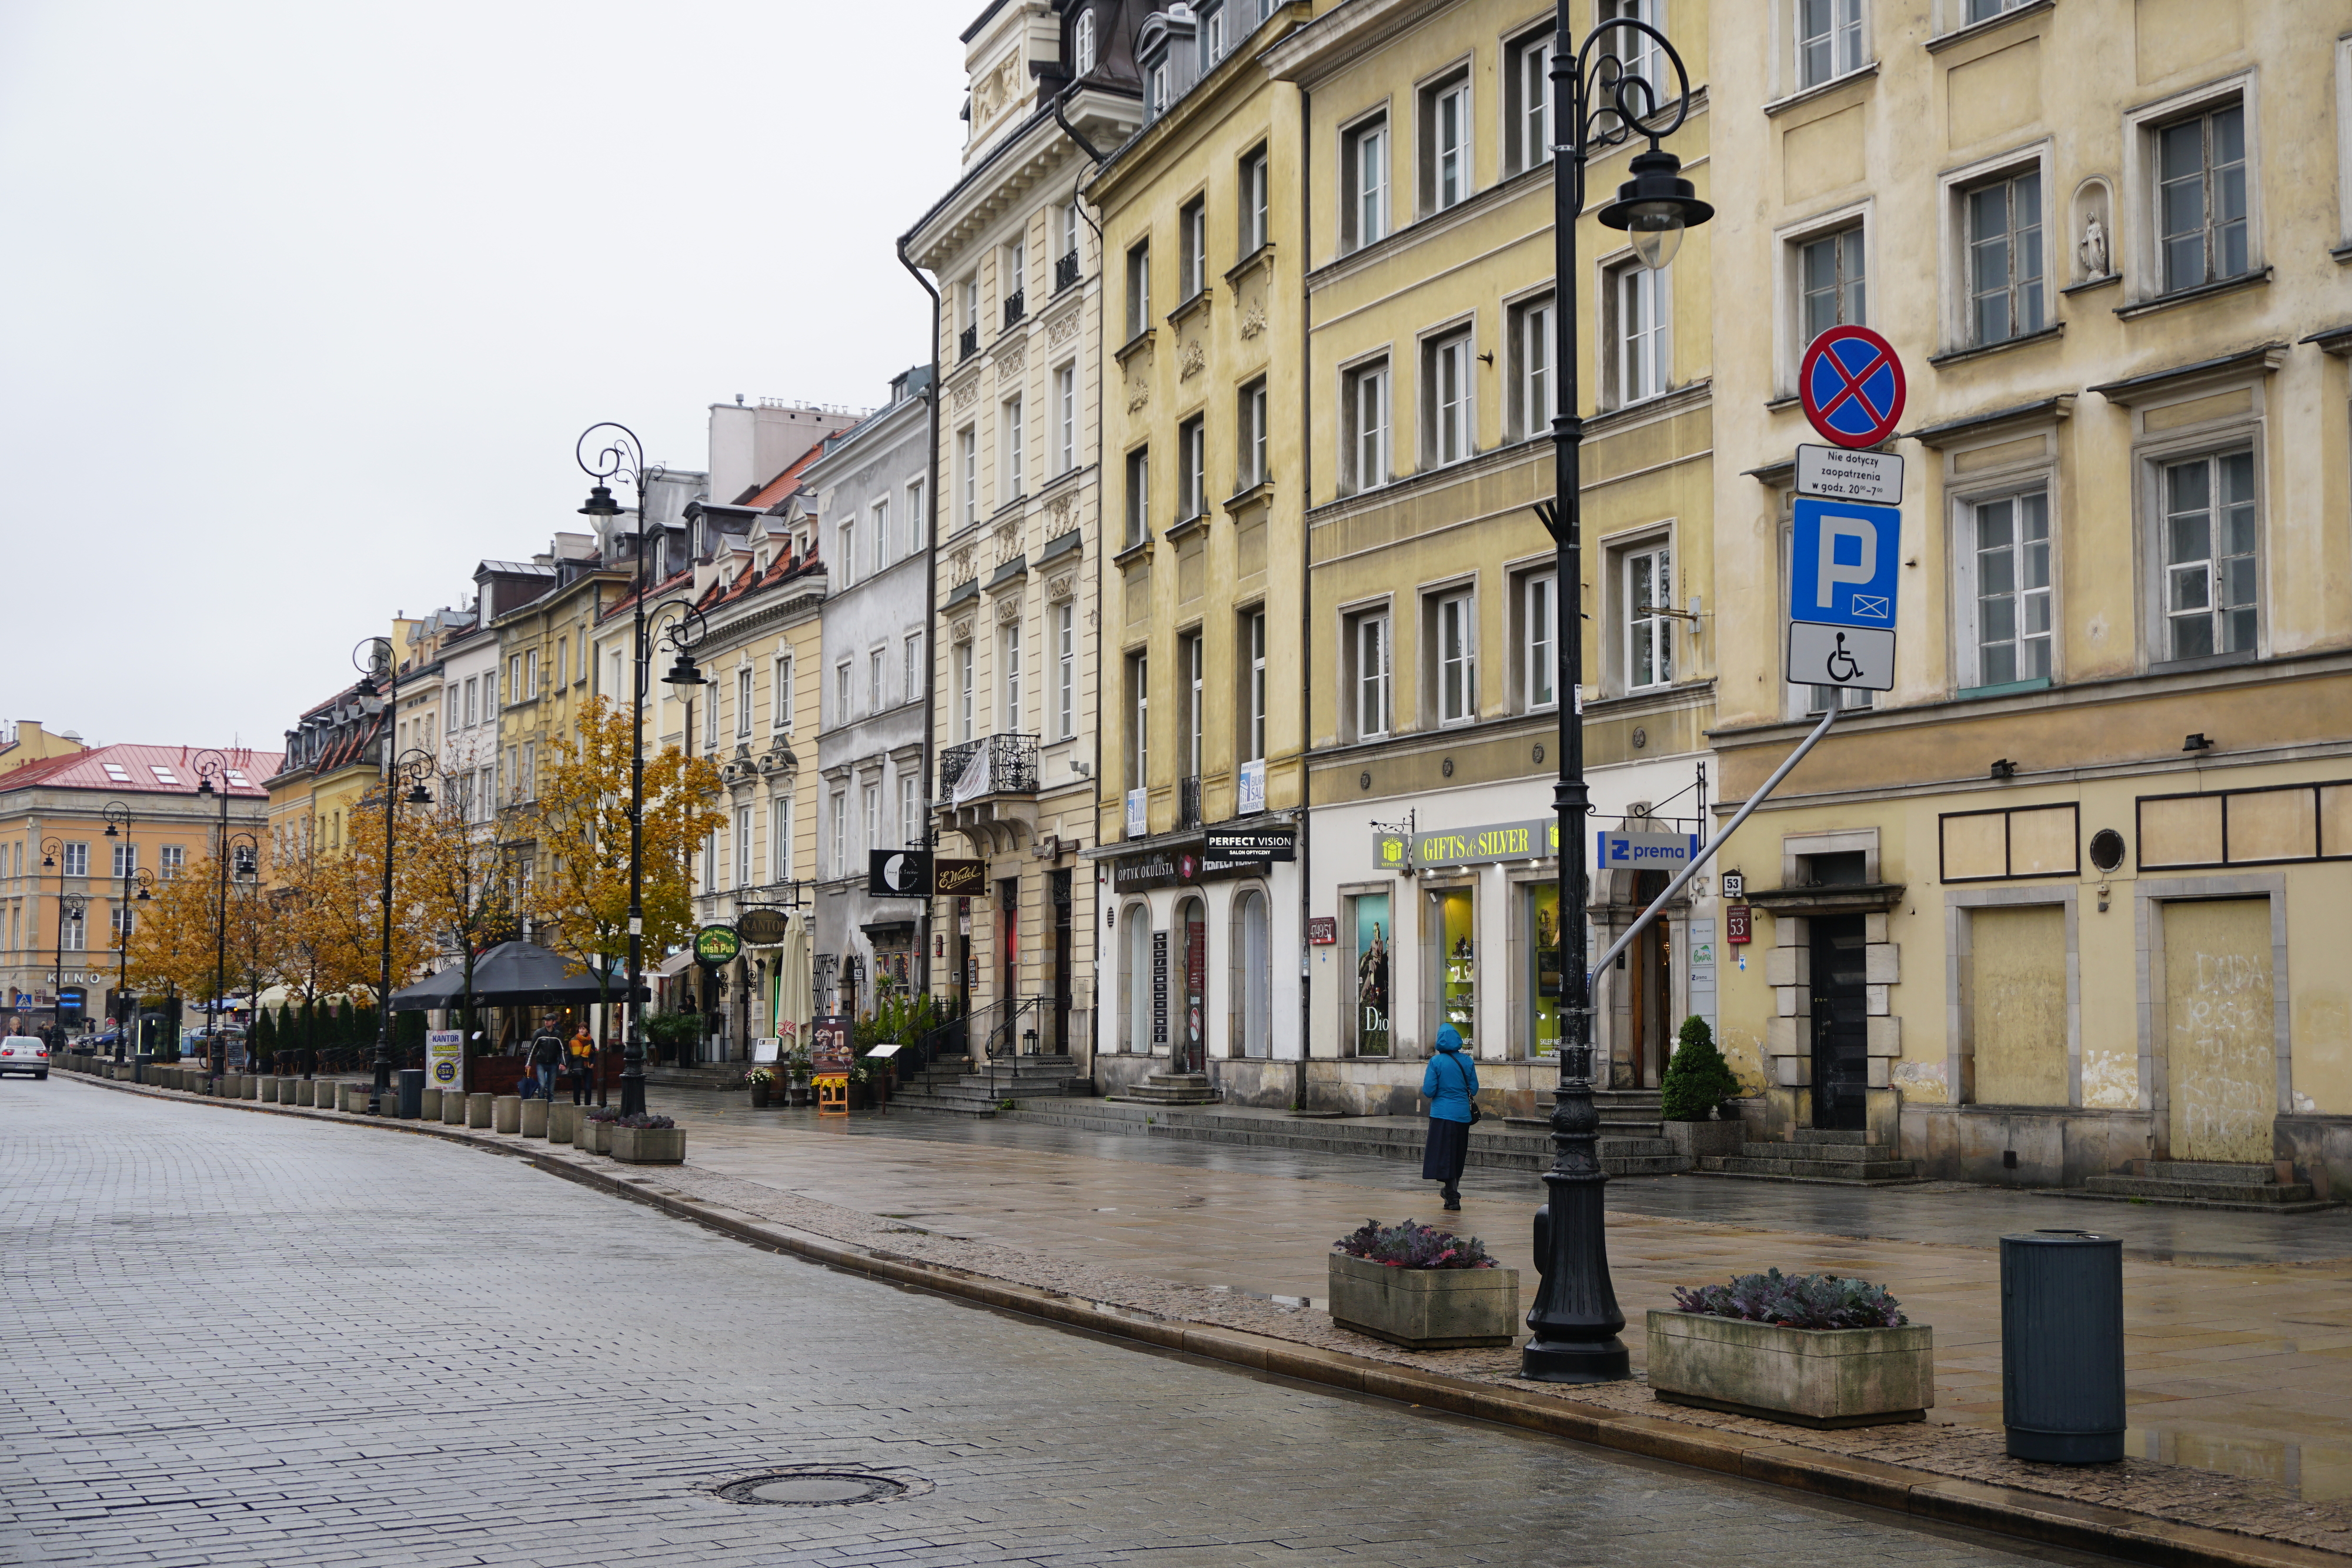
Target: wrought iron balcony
{"type": "Point", "coordinates": [1016, 306]}
{"type": "Point", "coordinates": [1065, 270]}
{"type": "Point", "coordinates": [1188, 803]}
{"type": "Point", "coordinates": [993, 765]}
{"type": "Point", "coordinates": [968, 344]}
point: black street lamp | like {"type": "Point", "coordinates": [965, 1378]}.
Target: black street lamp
{"type": "Point", "coordinates": [70, 906]}
{"type": "Point", "coordinates": [375, 658]}
{"type": "Point", "coordinates": [119, 822]}
{"type": "Point", "coordinates": [624, 456]}
{"type": "Point", "coordinates": [1597, 104]}
{"type": "Point", "coordinates": [213, 779]}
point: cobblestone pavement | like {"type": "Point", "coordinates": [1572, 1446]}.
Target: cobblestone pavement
{"type": "Point", "coordinates": [241, 1339]}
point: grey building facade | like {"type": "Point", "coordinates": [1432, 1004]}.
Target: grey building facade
{"type": "Point", "coordinates": [872, 499]}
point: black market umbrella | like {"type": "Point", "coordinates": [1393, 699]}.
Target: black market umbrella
{"type": "Point", "coordinates": [445, 989]}
{"type": "Point", "coordinates": [523, 974]}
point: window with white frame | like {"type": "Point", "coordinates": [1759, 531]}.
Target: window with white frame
{"type": "Point", "coordinates": [780, 692]}
{"type": "Point", "coordinates": [968, 475]}
{"type": "Point", "coordinates": [911, 673]}
{"type": "Point", "coordinates": [1252, 727]}
{"type": "Point", "coordinates": [874, 680]}
{"type": "Point", "coordinates": [917, 520]}
{"type": "Point", "coordinates": [873, 799]}
{"type": "Point", "coordinates": [965, 716]}
{"type": "Point", "coordinates": [1139, 720]}
{"type": "Point", "coordinates": [174, 861]}
{"type": "Point", "coordinates": [1139, 495]}
{"type": "Point", "coordinates": [1454, 656]}
{"type": "Point", "coordinates": [1013, 280]}
{"type": "Point", "coordinates": [1016, 467]}
{"type": "Point", "coordinates": [1065, 417]}
{"type": "Point", "coordinates": [1532, 330]}
{"type": "Point", "coordinates": [530, 768]}
{"type": "Point", "coordinates": [910, 810]}
{"type": "Point", "coordinates": [840, 709]}
{"type": "Point", "coordinates": [1192, 660]}
{"type": "Point", "coordinates": [126, 859]}
{"type": "Point", "coordinates": [1639, 306]}
{"type": "Point", "coordinates": [1526, 101]}
{"type": "Point", "coordinates": [1446, 172]}
{"type": "Point", "coordinates": [1065, 240]}
{"type": "Point", "coordinates": [1647, 586]}
{"type": "Point", "coordinates": [2005, 590]}
{"type": "Point", "coordinates": [1828, 40]}
{"type": "Point", "coordinates": [1253, 205]}
{"type": "Point", "coordinates": [1065, 670]}
{"type": "Point", "coordinates": [743, 700]}
{"type": "Point", "coordinates": [848, 554]}
{"type": "Point", "coordinates": [878, 523]}
{"type": "Point", "coordinates": [744, 864]}
{"type": "Point", "coordinates": [2212, 555]}
{"type": "Point", "coordinates": [2002, 219]}
{"type": "Point", "coordinates": [1538, 639]}
{"type": "Point", "coordinates": [1831, 284]}
{"type": "Point", "coordinates": [1364, 182]}
{"type": "Point", "coordinates": [1192, 249]}
{"type": "Point", "coordinates": [1212, 32]}
{"type": "Point", "coordinates": [1637, 51]}
{"type": "Point", "coordinates": [841, 832]}
{"type": "Point", "coordinates": [1364, 411]}
{"type": "Point", "coordinates": [967, 302]}
{"type": "Point", "coordinates": [1447, 417]}
{"type": "Point", "coordinates": [1156, 89]}
{"type": "Point", "coordinates": [1008, 663]}
{"type": "Point", "coordinates": [780, 839]}
{"type": "Point", "coordinates": [2201, 232]}
{"type": "Point", "coordinates": [1139, 290]}
{"type": "Point", "coordinates": [1082, 44]}
{"type": "Point", "coordinates": [1192, 469]}
{"type": "Point", "coordinates": [1250, 437]}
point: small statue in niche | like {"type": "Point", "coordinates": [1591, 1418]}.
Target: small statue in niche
{"type": "Point", "coordinates": [2095, 248]}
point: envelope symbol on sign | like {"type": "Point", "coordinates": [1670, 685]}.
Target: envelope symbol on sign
{"type": "Point", "coordinates": [1871, 604]}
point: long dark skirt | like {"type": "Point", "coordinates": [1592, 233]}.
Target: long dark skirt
{"type": "Point", "coordinates": [1448, 1147]}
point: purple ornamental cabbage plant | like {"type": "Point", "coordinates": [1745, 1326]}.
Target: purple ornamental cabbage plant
{"type": "Point", "coordinates": [643, 1122]}
{"type": "Point", "coordinates": [1410, 1246]}
{"type": "Point", "coordinates": [1795, 1300]}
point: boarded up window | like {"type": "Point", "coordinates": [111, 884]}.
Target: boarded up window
{"type": "Point", "coordinates": [2221, 1043]}
{"type": "Point", "coordinates": [2246, 827]}
{"type": "Point", "coordinates": [2021, 841]}
{"type": "Point", "coordinates": [2183, 830]}
{"type": "Point", "coordinates": [2016, 1005]}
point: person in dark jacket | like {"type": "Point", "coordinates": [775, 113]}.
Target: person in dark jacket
{"type": "Point", "coordinates": [546, 1053]}
{"type": "Point", "coordinates": [1449, 1084]}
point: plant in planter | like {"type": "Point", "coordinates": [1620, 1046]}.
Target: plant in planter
{"type": "Point", "coordinates": [1422, 1288]}
{"type": "Point", "coordinates": [797, 1065]}
{"type": "Point", "coordinates": [1815, 1350]}
{"type": "Point", "coordinates": [643, 1140]}
{"type": "Point", "coordinates": [763, 1083]}
{"type": "Point", "coordinates": [595, 1135]}
{"type": "Point", "coordinates": [1697, 1080]}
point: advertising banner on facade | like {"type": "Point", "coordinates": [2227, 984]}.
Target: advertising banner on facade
{"type": "Point", "coordinates": [445, 1058]}
{"type": "Point", "coordinates": [1536, 839]}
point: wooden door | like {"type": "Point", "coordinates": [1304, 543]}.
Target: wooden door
{"type": "Point", "coordinates": [2016, 1005]}
{"type": "Point", "coordinates": [2221, 1041]}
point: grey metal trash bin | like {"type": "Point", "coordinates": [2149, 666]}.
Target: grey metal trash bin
{"type": "Point", "coordinates": [2062, 1346]}
{"type": "Point", "coordinates": [412, 1093]}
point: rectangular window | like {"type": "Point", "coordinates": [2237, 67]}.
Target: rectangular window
{"type": "Point", "coordinates": [1139, 495]}
{"type": "Point", "coordinates": [1446, 172]}
{"type": "Point", "coordinates": [126, 859]}
{"type": "Point", "coordinates": [514, 674]}
{"type": "Point", "coordinates": [2211, 556]}
{"type": "Point", "coordinates": [1253, 202]}
{"type": "Point", "coordinates": [911, 811]}
{"type": "Point", "coordinates": [2005, 287]}
{"type": "Point", "coordinates": [1250, 437]}
{"type": "Point", "coordinates": [1649, 590]}
{"type": "Point", "coordinates": [1139, 290]}
{"type": "Point", "coordinates": [745, 866]}
{"type": "Point", "coordinates": [1364, 183]}
{"type": "Point", "coordinates": [1540, 630]}
{"type": "Point", "coordinates": [1446, 413]}
{"type": "Point", "coordinates": [780, 839]}
{"type": "Point", "coordinates": [1457, 648]}
{"type": "Point", "coordinates": [1828, 40]}
{"type": "Point", "coordinates": [1012, 281]}
{"type": "Point", "coordinates": [877, 521]}
{"type": "Point", "coordinates": [1191, 470]}
{"type": "Point", "coordinates": [780, 695]}
{"type": "Point", "coordinates": [1065, 242]}
{"type": "Point", "coordinates": [1527, 102]}
{"type": "Point", "coordinates": [1370, 675]}
{"type": "Point", "coordinates": [1831, 285]}
{"type": "Point", "coordinates": [911, 677]}
{"type": "Point", "coordinates": [965, 716]}
{"type": "Point", "coordinates": [1212, 37]}
{"type": "Point", "coordinates": [1531, 377]}
{"type": "Point", "coordinates": [2201, 198]}
{"type": "Point", "coordinates": [841, 692]}
{"type": "Point", "coordinates": [743, 701]}
{"type": "Point", "coordinates": [123, 921]}
{"type": "Point", "coordinates": [1636, 50]}
{"type": "Point", "coordinates": [175, 861]}
{"type": "Point", "coordinates": [873, 799]}
{"type": "Point", "coordinates": [1016, 468]}
{"type": "Point", "coordinates": [1364, 404]}
{"type": "Point", "coordinates": [1065, 670]}
{"type": "Point", "coordinates": [1642, 347]}
{"type": "Point", "coordinates": [1139, 720]}
{"type": "Point", "coordinates": [530, 770]}
{"type": "Point", "coordinates": [848, 554]}
{"type": "Point", "coordinates": [563, 654]}
{"type": "Point", "coordinates": [968, 475]}
{"type": "Point", "coordinates": [918, 519]}
{"type": "Point", "coordinates": [71, 937]}
{"type": "Point", "coordinates": [873, 681]}
{"type": "Point", "coordinates": [1192, 249]}
{"type": "Point", "coordinates": [530, 673]}
{"type": "Point", "coordinates": [1254, 685]}
{"type": "Point", "coordinates": [840, 832]}
{"type": "Point", "coordinates": [1066, 418]}
{"type": "Point", "coordinates": [1008, 661]}
{"type": "Point", "coordinates": [2008, 612]}
{"type": "Point", "coordinates": [472, 713]}
{"type": "Point", "coordinates": [1191, 659]}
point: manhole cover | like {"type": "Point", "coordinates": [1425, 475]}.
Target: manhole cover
{"type": "Point", "coordinates": [818, 1487]}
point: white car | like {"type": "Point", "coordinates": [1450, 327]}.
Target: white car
{"type": "Point", "coordinates": [23, 1053]}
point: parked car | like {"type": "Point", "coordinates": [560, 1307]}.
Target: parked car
{"type": "Point", "coordinates": [23, 1053]}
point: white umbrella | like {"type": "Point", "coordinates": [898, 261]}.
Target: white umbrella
{"type": "Point", "coordinates": [790, 1005]}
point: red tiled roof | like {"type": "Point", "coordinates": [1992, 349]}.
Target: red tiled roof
{"type": "Point", "coordinates": [785, 483]}
{"type": "Point", "coordinates": [97, 769]}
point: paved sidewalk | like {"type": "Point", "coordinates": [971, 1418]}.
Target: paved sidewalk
{"type": "Point", "coordinates": [2239, 1327]}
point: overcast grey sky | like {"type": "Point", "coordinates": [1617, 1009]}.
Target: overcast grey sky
{"type": "Point", "coordinates": [302, 305]}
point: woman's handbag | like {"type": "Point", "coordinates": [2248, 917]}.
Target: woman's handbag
{"type": "Point", "coordinates": [1472, 1099]}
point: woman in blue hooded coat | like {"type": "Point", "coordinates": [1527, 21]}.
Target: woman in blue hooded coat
{"type": "Point", "coordinates": [1449, 1084]}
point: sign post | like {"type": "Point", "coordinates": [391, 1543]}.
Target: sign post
{"type": "Point", "coordinates": [1846, 556]}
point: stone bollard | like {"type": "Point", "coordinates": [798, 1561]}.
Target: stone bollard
{"type": "Point", "coordinates": [351, 1099]}
{"type": "Point", "coordinates": [289, 1091]}
{"type": "Point", "coordinates": [534, 1118]}
{"type": "Point", "coordinates": [564, 1122]}
{"type": "Point", "coordinates": [478, 1109]}
{"type": "Point", "coordinates": [252, 1085]}
{"type": "Point", "coordinates": [305, 1092]}
{"type": "Point", "coordinates": [429, 1105]}
{"type": "Point", "coordinates": [269, 1091]}
{"type": "Point", "coordinates": [509, 1113]}
{"type": "Point", "coordinates": [453, 1107]}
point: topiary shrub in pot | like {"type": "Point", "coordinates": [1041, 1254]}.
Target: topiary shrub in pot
{"type": "Point", "coordinates": [1421, 1288]}
{"type": "Point", "coordinates": [1815, 1350]}
{"type": "Point", "coordinates": [1697, 1081]}
{"type": "Point", "coordinates": [643, 1140]}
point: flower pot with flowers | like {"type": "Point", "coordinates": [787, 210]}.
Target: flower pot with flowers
{"type": "Point", "coordinates": [1813, 1350]}
{"type": "Point", "coordinates": [597, 1130]}
{"type": "Point", "coordinates": [763, 1083]}
{"type": "Point", "coordinates": [643, 1140]}
{"type": "Point", "coordinates": [1421, 1288]}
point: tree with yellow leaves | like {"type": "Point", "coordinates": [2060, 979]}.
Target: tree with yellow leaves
{"type": "Point", "coordinates": [353, 905]}
{"type": "Point", "coordinates": [458, 871]}
{"type": "Point", "coordinates": [579, 896]}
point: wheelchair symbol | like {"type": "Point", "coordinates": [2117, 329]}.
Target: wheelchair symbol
{"type": "Point", "coordinates": [1851, 671]}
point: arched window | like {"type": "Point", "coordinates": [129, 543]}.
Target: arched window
{"type": "Point", "coordinates": [1135, 976]}
{"type": "Point", "coordinates": [1252, 976]}
{"type": "Point", "coordinates": [1082, 44]}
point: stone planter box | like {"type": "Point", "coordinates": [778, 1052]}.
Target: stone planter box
{"type": "Point", "coordinates": [506, 1114]}
{"type": "Point", "coordinates": [648, 1146]}
{"type": "Point", "coordinates": [564, 1122]}
{"type": "Point", "coordinates": [535, 1119]}
{"type": "Point", "coordinates": [1692, 1139]}
{"type": "Point", "coordinates": [595, 1137]}
{"type": "Point", "coordinates": [1425, 1309]}
{"type": "Point", "coordinates": [1808, 1377]}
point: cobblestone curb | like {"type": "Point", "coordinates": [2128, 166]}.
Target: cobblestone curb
{"type": "Point", "coordinates": [2006, 1510]}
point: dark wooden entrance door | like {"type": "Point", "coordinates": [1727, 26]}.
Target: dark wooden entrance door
{"type": "Point", "coordinates": [1192, 1040]}
{"type": "Point", "coordinates": [1841, 1025]}
{"type": "Point", "coordinates": [1059, 888]}
{"type": "Point", "coordinates": [1651, 974]}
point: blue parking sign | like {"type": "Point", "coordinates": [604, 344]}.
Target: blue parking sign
{"type": "Point", "coordinates": [1844, 563]}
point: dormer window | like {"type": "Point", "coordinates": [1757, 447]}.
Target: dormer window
{"type": "Point", "coordinates": [1082, 44]}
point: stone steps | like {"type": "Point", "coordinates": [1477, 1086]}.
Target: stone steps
{"type": "Point", "coordinates": [1848, 1157]}
{"type": "Point", "coordinates": [952, 1091]}
{"type": "Point", "coordinates": [2201, 1183]}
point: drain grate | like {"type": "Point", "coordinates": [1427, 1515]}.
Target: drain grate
{"type": "Point", "coordinates": [818, 1486]}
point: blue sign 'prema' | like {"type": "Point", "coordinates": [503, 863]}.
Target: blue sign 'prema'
{"type": "Point", "coordinates": [1844, 560]}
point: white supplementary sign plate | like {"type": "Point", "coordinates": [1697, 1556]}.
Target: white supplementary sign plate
{"type": "Point", "coordinates": [1859, 657]}
{"type": "Point", "coordinates": [1837, 475]}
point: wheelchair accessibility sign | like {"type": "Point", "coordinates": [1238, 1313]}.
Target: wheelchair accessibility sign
{"type": "Point", "coordinates": [1844, 562]}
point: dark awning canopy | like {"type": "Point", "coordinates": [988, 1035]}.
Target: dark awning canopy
{"type": "Point", "coordinates": [513, 974]}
